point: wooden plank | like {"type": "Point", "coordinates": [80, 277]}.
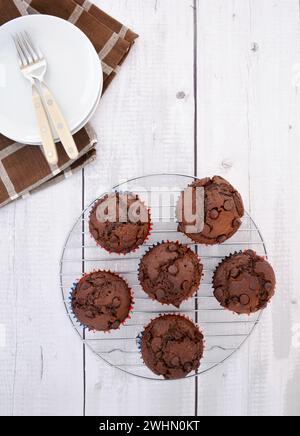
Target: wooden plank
{"type": "Point", "coordinates": [146, 126]}
{"type": "Point", "coordinates": [223, 147]}
{"type": "Point", "coordinates": [274, 132]}
{"type": "Point", "coordinates": [41, 364]}
{"type": "Point", "coordinates": [248, 132]}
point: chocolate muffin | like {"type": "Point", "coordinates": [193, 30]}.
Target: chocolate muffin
{"type": "Point", "coordinates": [120, 223]}
{"type": "Point", "coordinates": [223, 210]}
{"type": "Point", "coordinates": [244, 282]}
{"type": "Point", "coordinates": [172, 346]}
{"type": "Point", "coordinates": [101, 301]}
{"type": "Point", "coordinates": [170, 273]}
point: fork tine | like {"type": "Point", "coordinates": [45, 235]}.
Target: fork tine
{"type": "Point", "coordinates": [35, 50]}
{"type": "Point", "coordinates": [25, 59]}
{"type": "Point", "coordinates": [21, 52]}
{"type": "Point", "coordinates": [25, 48]}
{"type": "Point", "coordinates": [20, 55]}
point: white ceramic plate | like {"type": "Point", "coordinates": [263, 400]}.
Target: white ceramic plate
{"type": "Point", "coordinates": [74, 75]}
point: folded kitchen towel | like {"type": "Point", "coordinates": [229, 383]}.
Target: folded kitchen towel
{"type": "Point", "coordinates": [23, 168]}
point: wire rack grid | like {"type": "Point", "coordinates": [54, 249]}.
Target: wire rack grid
{"type": "Point", "coordinates": [224, 332]}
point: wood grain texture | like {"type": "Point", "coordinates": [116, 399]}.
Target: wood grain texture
{"type": "Point", "coordinates": [247, 82]}
{"type": "Point", "coordinates": [223, 149]}
{"type": "Point", "coordinates": [248, 111]}
{"type": "Point", "coordinates": [41, 365]}
{"type": "Point", "coordinates": [146, 125]}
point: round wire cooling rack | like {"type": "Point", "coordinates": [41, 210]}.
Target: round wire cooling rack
{"type": "Point", "coordinates": [224, 331]}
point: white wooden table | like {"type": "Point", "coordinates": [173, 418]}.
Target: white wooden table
{"type": "Point", "coordinates": [211, 87]}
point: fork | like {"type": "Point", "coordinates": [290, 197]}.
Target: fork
{"type": "Point", "coordinates": [49, 147]}
{"type": "Point", "coordinates": [34, 67]}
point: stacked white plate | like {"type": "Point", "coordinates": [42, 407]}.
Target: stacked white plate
{"type": "Point", "coordinates": [74, 75]}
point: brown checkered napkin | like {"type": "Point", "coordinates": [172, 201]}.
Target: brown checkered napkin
{"type": "Point", "coordinates": [24, 168]}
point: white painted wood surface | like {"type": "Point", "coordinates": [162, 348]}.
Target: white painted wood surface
{"type": "Point", "coordinates": [244, 91]}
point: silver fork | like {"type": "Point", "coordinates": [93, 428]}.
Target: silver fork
{"type": "Point", "coordinates": [34, 67]}
{"type": "Point", "coordinates": [49, 146]}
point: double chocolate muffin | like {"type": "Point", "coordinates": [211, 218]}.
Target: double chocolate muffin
{"type": "Point", "coordinates": [101, 301]}
{"type": "Point", "coordinates": [244, 283]}
{"type": "Point", "coordinates": [223, 210]}
{"type": "Point", "coordinates": [120, 223]}
{"type": "Point", "coordinates": [172, 346]}
{"type": "Point", "coordinates": [170, 273]}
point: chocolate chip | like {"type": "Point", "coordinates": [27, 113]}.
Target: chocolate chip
{"type": "Point", "coordinates": [237, 222]}
{"type": "Point", "coordinates": [116, 302]}
{"type": "Point", "coordinates": [141, 234]}
{"type": "Point", "coordinates": [173, 270]}
{"type": "Point", "coordinates": [235, 300]}
{"type": "Point", "coordinates": [147, 336]}
{"type": "Point", "coordinates": [160, 294]}
{"type": "Point", "coordinates": [222, 239]}
{"type": "Point", "coordinates": [161, 368]}
{"type": "Point", "coordinates": [214, 214]}
{"type": "Point", "coordinates": [250, 253]}
{"type": "Point", "coordinates": [177, 335]}
{"type": "Point", "coordinates": [244, 299]}
{"type": "Point", "coordinates": [253, 283]}
{"type": "Point", "coordinates": [95, 234]}
{"type": "Point", "coordinates": [264, 295]}
{"type": "Point", "coordinates": [188, 366]}
{"type": "Point", "coordinates": [238, 203]}
{"type": "Point", "coordinates": [186, 286]}
{"type": "Point", "coordinates": [86, 285]}
{"type": "Point", "coordinates": [173, 248]}
{"type": "Point", "coordinates": [219, 294]}
{"type": "Point", "coordinates": [234, 273]}
{"type": "Point", "coordinates": [268, 286]}
{"type": "Point", "coordinates": [206, 229]}
{"type": "Point", "coordinates": [156, 344]}
{"type": "Point", "coordinates": [175, 361]}
{"type": "Point", "coordinates": [116, 325]}
{"type": "Point", "coordinates": [228, 205]}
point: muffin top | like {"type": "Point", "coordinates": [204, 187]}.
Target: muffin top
{"type": "Point", "coordinates": [170, 273]}
{"type": "Point", "coordinates": [244, 282]}
{"type": "Point", "coordinates": [223, 210]}
{"type": "Point", "coordinates": [120, 223]}
{"type": "Point", "coordinates": [172, 346]}
{"type": "Point", "coordinates": [101, 301]}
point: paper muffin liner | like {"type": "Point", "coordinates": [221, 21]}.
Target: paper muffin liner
{"type": "Point", "coordinates": [178, 243]}
{"type": "Point", "coordinates": [150, 224]}
{"type": "Point", "coordinates": [188, 235]}
{"type": "Point", "coordinates": [178, 315]}
{"type": "Point", "coordinates": [228, 257]}
{"type": "Point", "coordinates": [73, 288]}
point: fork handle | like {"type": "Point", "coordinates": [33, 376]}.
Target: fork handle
{"type": "Point", "coordinates": [44, 127]}
{"type": "Point", "coordinates": [60, 123]}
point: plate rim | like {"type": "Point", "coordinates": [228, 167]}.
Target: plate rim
{"type": "Point", "coordinates": [100, 82]}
